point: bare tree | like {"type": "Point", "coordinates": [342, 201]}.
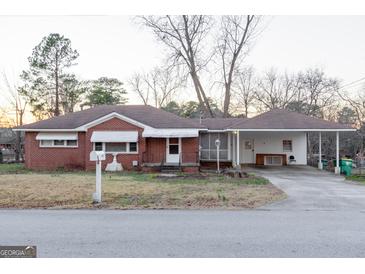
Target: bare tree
{"type": "Point", "coordinates": [275, 90]}
{"type": "Point", "coordinates": [236, 33]}
{"type": "Point", "coordinates": [138, 86]}
{"type": "Point", "coordinates": [244, 90]}
{"type": "Point", "coordinates": [184, 36]}
{"type": "Point", "coordinates": [357, 104]}
{"type": "Point", "coordinates": [18, 105]}
{"type": "Point", "coordinates": [157, 87]}
{"type": "Point", "coordinates": [14, 99]}
{"type": "Point", "coordinates": [317, 93]}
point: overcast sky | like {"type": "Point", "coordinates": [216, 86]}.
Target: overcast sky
{"type": "Point", "coordinates": [114, 46]}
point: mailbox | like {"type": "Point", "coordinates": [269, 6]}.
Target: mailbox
{"type": "Point", "coordinates": [97, 155]}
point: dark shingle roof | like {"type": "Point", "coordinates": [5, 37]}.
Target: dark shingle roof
{"type": "Point", "coordinates": [284, 119]}
{"type": "Point", "coordinates": [157, 118]}
{"type": "Point", "coordinates": [219, 123]}
{"type": "Point", "coordinates": [147, 115]}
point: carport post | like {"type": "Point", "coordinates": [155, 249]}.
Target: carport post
{"type": "Point", "coordinates": [238, 149]}
{"type": "Point", "coordinates": [337, 168]}
{"type": "Point", "coordinates": [320, 165]}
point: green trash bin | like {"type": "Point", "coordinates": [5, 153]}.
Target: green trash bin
{"type": "Point", "coordinates": [324, 163]}
{"type": "Point", "coordinates": [346, 166]}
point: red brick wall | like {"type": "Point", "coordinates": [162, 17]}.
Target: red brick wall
{"type": "Point", "coordinates": [152, 150]}
{"type": "Point", "coordinates": [51, 157]}
{"type": "Point", "coordinates": [213, 164]}
{"type": "Point", "coordinates": [115, 124]}
{"type": "Point", "coordinates": [190, 150]}
{"type": "Point", "coordinates": [155, 150]}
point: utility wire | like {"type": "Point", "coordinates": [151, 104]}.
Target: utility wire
{"type": "Point", "coordinates": [352, 83]}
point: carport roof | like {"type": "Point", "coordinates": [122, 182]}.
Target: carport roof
{"type": "Point", "coordinates": [219, 123]}
{"type": "Point", "coordinates": [279, 119]}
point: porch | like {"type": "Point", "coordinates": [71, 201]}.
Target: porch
{"type": "Point", "coordinates": [260, 147]}
{"type": "Point", "coordinates": [171, 154]}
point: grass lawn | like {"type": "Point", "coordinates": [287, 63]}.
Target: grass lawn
{"type": "Point", "coordinates": [21, 188]}
{"type": "Point", "coordinates": [12, 168]}
{"type": "Point", "coordinates": [357, 178]}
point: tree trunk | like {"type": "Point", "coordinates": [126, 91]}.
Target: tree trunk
{"type": "Point", "coordinates": [204, 103]}
{"type": "Point", "coordinates": [17, 146]}
{"type": "Point", "coordinates": [227, 100]}
{"type": "Point", "coordinates": [57, 107]}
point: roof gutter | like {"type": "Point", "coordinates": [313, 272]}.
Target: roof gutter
{"type": "Point", "coordinates": [294, 129]}
{"type": "Point", "coordinates": [48, 130]}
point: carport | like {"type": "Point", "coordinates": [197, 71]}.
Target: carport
{"type": "Point", "coordinates": [280, 134]}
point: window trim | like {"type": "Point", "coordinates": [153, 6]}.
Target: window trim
{"type": "Point", "coordinates": [119, 152]}
{"type": "Point", "coordinates": [58, 146]}
{"type": "Point", "coordinates": [291, 146]}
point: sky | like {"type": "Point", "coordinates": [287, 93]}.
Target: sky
{"type": "Point", "coordinates": [115, 46]}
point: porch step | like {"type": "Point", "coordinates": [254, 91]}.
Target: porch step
{"type": "Point", "coordinates": [170, 168]}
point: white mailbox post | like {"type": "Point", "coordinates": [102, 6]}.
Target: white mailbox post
{"type": "Point", "coordinates": [97, 156]}
{"type": "Point", "coordinates": [217, 144]}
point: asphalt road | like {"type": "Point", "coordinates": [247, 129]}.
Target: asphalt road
{"type": "Point", "coordinates": [175, 233]}
{"type": "Point", "coordinates": [324, 216]}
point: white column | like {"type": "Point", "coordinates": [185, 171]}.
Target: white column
{"type": "Point", "coordinates": [180, 152]}
{"type": "Point", "coordinates": [320, 165]}
{"type": "Point", "coordinates": [229, 146]}
{"type": "Point", "coordinates": [337, 168]}
{"type": "Point", "coordinates": [217, 159]}
{"type": "Point", "coordinates": [238, 149]}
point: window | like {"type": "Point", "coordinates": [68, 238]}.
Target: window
{"type": "Point", "coordinates": [132, 147]}
{"type": "Point", "coordinates": [98, 146]}
{"type": "Point", "coordinates": [209, 150]}
{"type": "Point", "coordinates": [287, 146]}
{"type": "Point", "coordinates": [58, 143]}
{"type": "Point", "coordinates": [115, 147]}
{"type": "Point", "coordinates": [46, 143]}
{"type": "Point", "coordinates": [71, 143]}
{"type": "Point", "coordinates": [174, 149]}
{"type": "Point", "coordinates": [248, 144]}
{"type": "Point", "coordinates": [173, 146]}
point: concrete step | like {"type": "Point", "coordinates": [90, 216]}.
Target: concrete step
{"type": "Point", "coordinates": [170, 168]}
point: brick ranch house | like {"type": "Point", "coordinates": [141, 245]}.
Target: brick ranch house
{"type": "Point", "coordinates": [146, 138]}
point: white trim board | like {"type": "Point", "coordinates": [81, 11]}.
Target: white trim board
{"type": "Point", "coordinates": [294, 130]}
{"type": "Point", "coordinates": [109, 117]}
{"type": "Point", "coordinates": [171, 132]}
{"type": "Point", "coordinates": [47, 130]}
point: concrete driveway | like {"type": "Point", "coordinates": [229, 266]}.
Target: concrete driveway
{"type": "Point", "coordinates": [311, 189]}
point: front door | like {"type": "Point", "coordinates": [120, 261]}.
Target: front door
{"type": "Point", "coordinates": [247, 152]}
{"type": "Point", "coordinates": [173, 150]}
